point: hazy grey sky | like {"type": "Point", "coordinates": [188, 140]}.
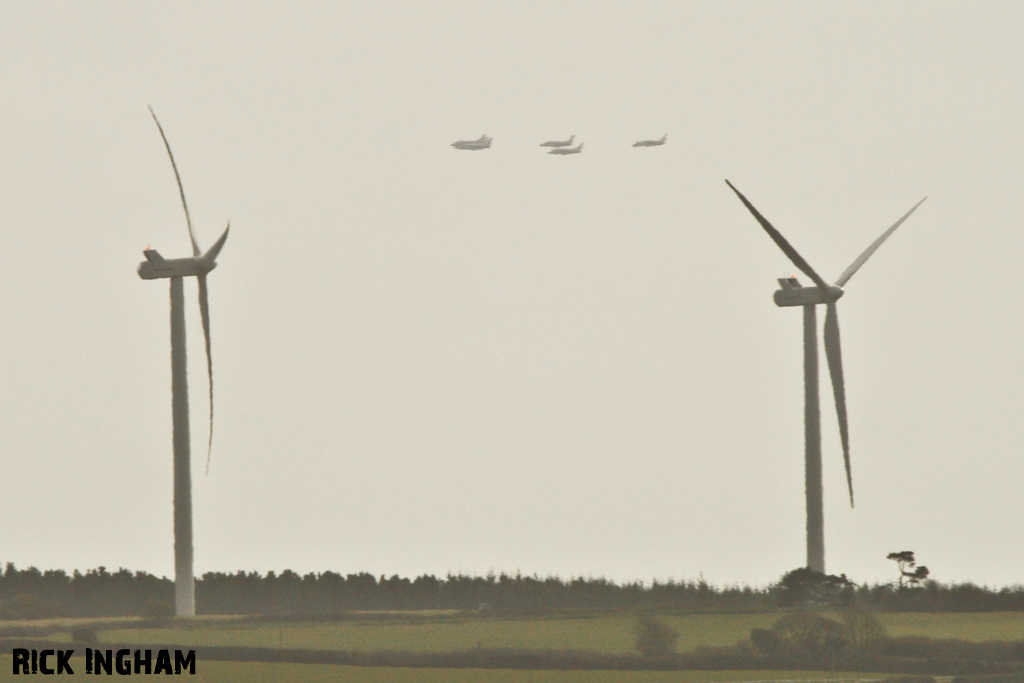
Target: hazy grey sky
{"type": "Point", "coordinates": [430, 360]}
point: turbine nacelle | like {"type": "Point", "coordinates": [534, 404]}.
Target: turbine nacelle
{"type": "Point", "coordinates": [792, 293]}
{"type": "Point", "coordinates": [156, 266]}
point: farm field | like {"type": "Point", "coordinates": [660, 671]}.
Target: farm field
{"type": "Point", "coordinates": [218, 672]}
{"type": "Point", "coordinates": [610, 634]}
{"type": "Point", "coordinates": [602, 634]}
{"type": "Point", "coordinates": [973, 626]}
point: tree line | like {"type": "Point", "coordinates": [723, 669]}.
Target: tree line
{"type": "Point", "coordinates": [32, 593]}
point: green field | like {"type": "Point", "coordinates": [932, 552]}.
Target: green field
{"type": "Point", "coordinates": [603, 634]}
{"type": "Point", "coordinates": [440, 633]}
{"type": "Point", "coordinates": [973, 626]}
{"type": "Point", "coordinates": [611, 634]}
{"type": "Point", "coordinates": [218, 672]}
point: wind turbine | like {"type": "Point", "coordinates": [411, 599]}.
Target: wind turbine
{"type": "Point", "coordinates": [154, 267]}
{"type": "Point", "coordinates": [792, 293]}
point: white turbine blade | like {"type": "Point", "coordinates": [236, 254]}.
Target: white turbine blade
{"type": "Point", "coordinates": [211, 255]}
{"type": "Point", "coordinates": [181, 190]}
{"type": "Point", "coordinates": [204, 311]}
{"type": "Point", "coordinates": [855, 266]}
{"type": "Point", "coordinates": [786, 247]}
{"type": "Point", "coordinates": [834, 356]}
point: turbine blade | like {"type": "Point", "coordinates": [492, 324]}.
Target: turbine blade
{"type": "Point", "coordinates": [204, 310]}
{"type": "Point", "coordinates": [211, 255]}
{"type": "Point", "coordinates": [835, 368]}
{"type": "Point", "coordinates": [181, 190]}
{"type": "Point", "coordinates": [855, 266]}
{"type": "Point", "coordinates": [786, 247]}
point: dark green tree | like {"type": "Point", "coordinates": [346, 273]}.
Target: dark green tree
{"type": "Point", "coordinates": [805, 586]}
{"type": "Point", "coordinates": [655, 638]}
{"type": "Point", "coordinates": [863, 629]}
{"type": "Point", "coordinates": [812, 638]}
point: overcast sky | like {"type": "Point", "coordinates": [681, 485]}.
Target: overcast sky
{"type": "Point", "coordinates": [430, 360]}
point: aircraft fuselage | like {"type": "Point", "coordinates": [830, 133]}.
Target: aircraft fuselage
{"type": "Point", "coordinates": [558, 143]}
{"type": "Point", "coordinates": [567, 150]}
{"type": "Point", "coordinates": [483, 142]}
{"type": "Point", "coordinates": [650, 143]}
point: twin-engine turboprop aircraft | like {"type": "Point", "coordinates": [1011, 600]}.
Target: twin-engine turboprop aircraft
{"type": "Point", "coordinates": [651, 143]}
{"type": "Point", "coordinates": [567, 150]}
{"type": "Point", "coordinates": [558, 143]}
{"type": "Point", "coordinates": [483, 143]}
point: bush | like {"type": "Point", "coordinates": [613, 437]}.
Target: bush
{"type": "Point", "coordinates": [810, 633]}
{"type": "Point", "coordinates": [655, 638]}
{"type": "Point", "coordinates": [810, 638]}
{"type": "Point", "coordinates": [863, 630]}
{"type": "Point", "coordinates": [766, 641]}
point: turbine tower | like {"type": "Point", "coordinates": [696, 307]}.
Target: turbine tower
{"type": "Point", "coordinates": [792, 293]}
{"type": "Point", "coordinates": [154, 267]}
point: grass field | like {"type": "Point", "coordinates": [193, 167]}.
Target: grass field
{"type": "Point", "coordinates": [973, 626]}
{"type": "Point", "coordinates": [604, 634]}
{"type": "Point", "coordinates": [611, 634]}
{"type": "Point", "coordinates": [224, 672]}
